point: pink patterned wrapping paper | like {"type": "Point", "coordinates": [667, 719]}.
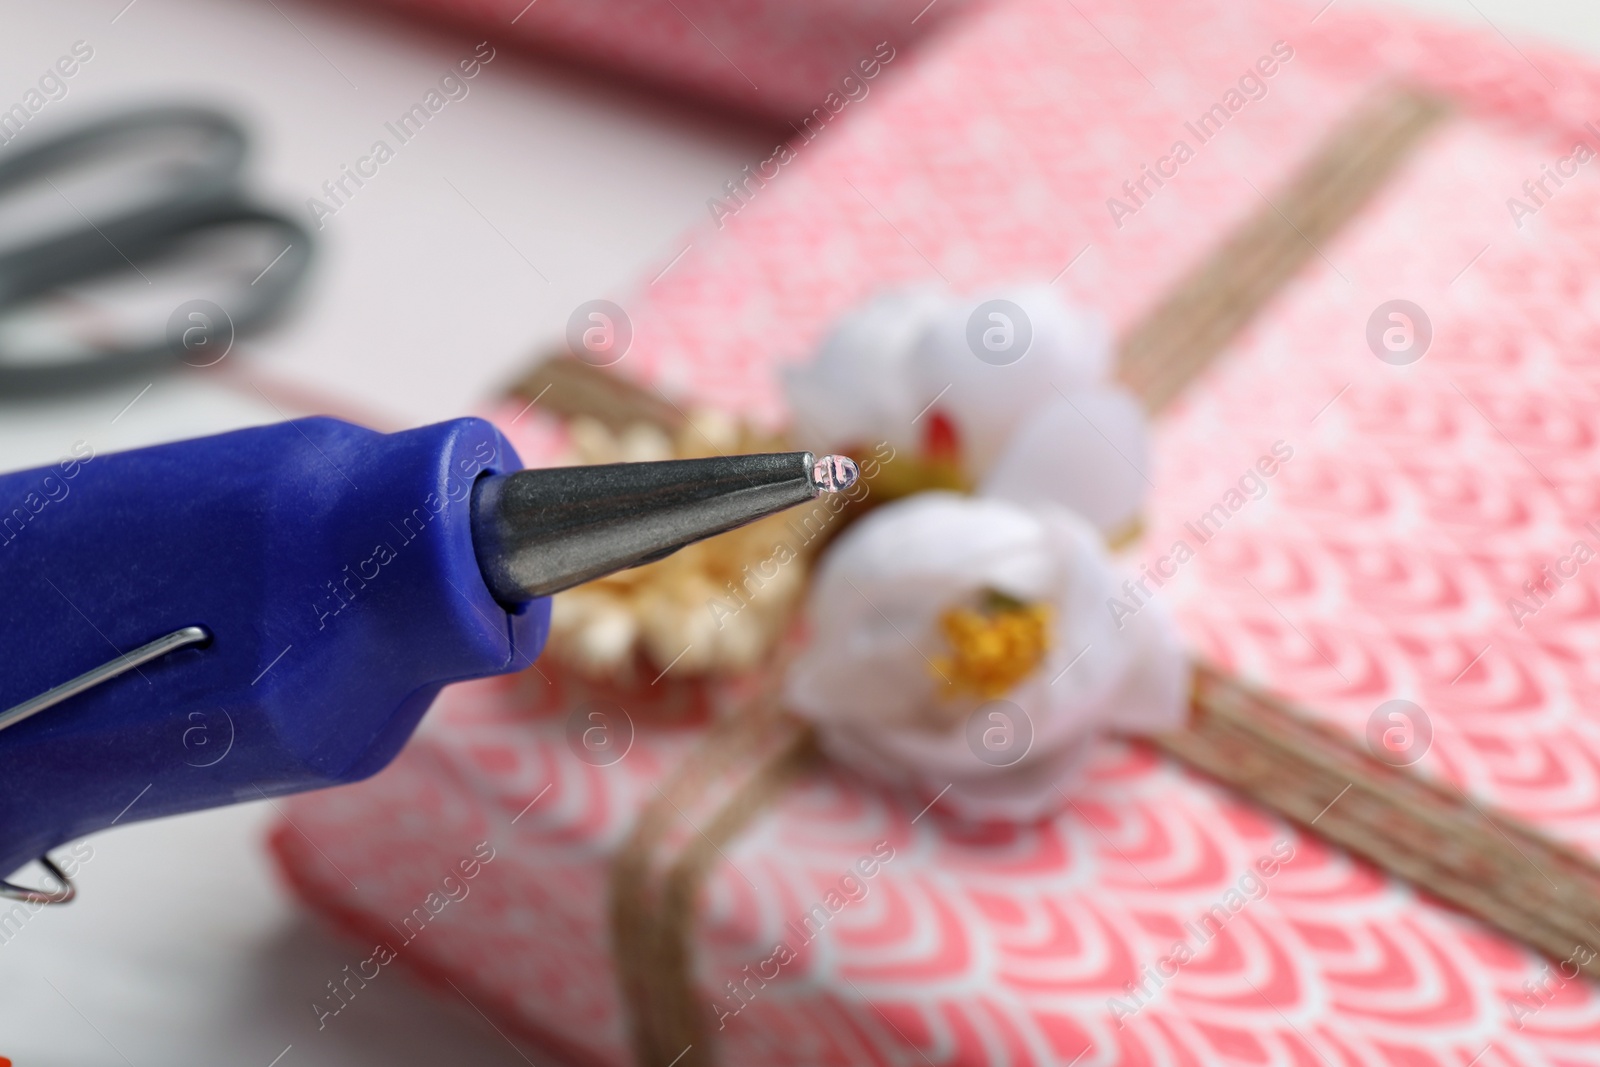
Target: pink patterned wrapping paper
{"type": "Point", "coordinates": [1384, 559]}
{"type": "Point", "coordinates": [768, 58]}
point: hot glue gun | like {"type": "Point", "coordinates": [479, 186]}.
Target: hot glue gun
{"type": "Point", "coordinates": [301, 592]}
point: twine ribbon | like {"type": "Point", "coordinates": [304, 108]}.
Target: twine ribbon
{"type": "Point", "coordinates": [744, 762]}
{"type": "Point", "coordinates": [1504, 873]}
{"type": "Point", "coordinates": [1429, 833]}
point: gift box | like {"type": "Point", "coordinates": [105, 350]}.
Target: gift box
{"type": "Point", "coordinates": [769, 59]}
{"type": "Point", "coordinates": [1362, 519]}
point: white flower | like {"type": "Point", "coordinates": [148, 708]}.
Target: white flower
{"type": "Point", "coordinates": [1042, 348]}
{"type": "Point", "coordinates": [933, 615]}
{"type": "Point", "coordinates": [961, 645]}
{"type": "Point", "coordinates": [1087, 450]}
{"type": "Point", "coordinates": [857, 389]}
{"type": "Point", "coordinates": [926, 371]}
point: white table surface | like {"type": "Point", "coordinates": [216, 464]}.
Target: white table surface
{"type": "Point", "coordinates": [184, 949]}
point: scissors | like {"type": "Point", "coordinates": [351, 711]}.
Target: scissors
{"type": "Point", "coordinates": [142, 195]}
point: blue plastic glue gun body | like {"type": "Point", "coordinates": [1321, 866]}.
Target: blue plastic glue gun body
{"type": "Point", "coordinates": [331, 570]}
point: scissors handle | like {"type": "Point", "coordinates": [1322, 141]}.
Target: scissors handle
{"type": "Point", "coordinates": [196, 189]}
{"type": "Point", "coordinates": [221, 139]}
{"type": "Point", "coordinates": [201, 153]}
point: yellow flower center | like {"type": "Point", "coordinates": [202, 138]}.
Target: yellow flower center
{"type": "Point", "coordinates": [993, 646]}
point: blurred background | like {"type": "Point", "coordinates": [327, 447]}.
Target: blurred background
{"type": "Point", "coordinates": [563, 172]}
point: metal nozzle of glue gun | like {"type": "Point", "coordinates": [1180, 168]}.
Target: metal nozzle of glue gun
{"type": "Point", "coordinates": [272, 610]}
